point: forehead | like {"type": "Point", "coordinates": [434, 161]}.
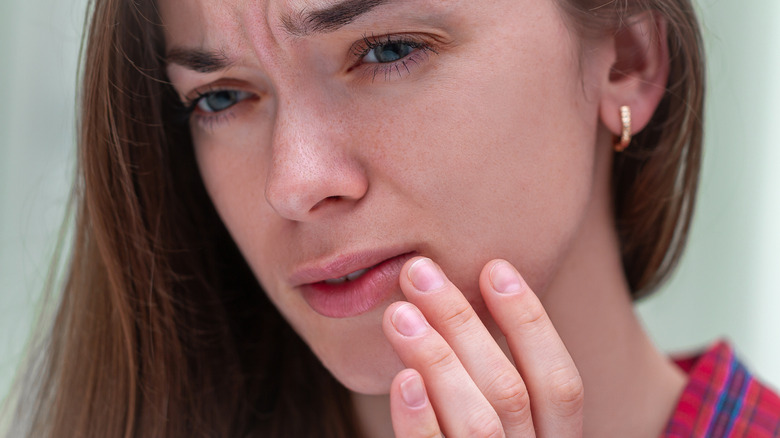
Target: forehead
{"type": "Point", "coordinates": [198, 23]}
{"type": "Point", "coordinates": [203, 22]}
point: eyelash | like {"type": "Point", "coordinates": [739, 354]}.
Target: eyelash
{"type": "Point", "coordinates": [359, 50]}
{"type": "Point", "coordinates": [370, 42]}
{"type": "Point", "coordinates": [188, 111]}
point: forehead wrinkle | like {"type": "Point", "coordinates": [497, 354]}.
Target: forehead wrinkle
{"type": "Point", "coordinates": [224, 32]}
{"type": "Point", "coordinates": [244, 21]}
{"type": "Point", "coordinates": [257, 30]}
{"type": "Point", "coordinates": [238, 31]}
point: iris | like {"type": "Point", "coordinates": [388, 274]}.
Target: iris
{"type": "Point", "coordinates": [389, 52]}
{"type": "Point", "coordinates": [220, 100]}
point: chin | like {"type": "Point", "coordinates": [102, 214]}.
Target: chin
{"type": "Point", "coordinates": [368, 384]}
{"type": "Point", "coordinates": [363, 367]}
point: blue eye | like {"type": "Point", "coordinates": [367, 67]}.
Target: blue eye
{"type": "Point", "coordinates": [216, 101]}
{"type": "Point", "coordinates": [389, 51]}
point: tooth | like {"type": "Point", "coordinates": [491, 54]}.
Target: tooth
{"type": "Point", "coordinates": [349, 277]}
{"type": "Point", "coordinates": [356, 274]}
{"type": "Point", "coordinates": [336, 280]}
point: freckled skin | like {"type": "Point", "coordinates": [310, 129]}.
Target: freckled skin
{"type": "Point", "coordinates": [486, 149]}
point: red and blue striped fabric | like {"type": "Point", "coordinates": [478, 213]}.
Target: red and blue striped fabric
{"type": "Point", "coordinates": [723, 400]}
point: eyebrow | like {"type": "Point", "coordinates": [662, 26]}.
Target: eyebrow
{"type": "Point", "coordinates": [201, 61]}
{"type": "Point", "coordinates": [328, 19]}
{"type": "Point", "coordinates": [303, 23]}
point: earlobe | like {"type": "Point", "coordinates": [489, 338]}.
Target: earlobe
{"type": "Point", "coordinates": [639, 73]}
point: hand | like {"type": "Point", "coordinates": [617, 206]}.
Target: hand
{"type": "Point", "coordinates": [458, 381]}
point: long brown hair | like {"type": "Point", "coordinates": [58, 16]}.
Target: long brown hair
{"type": "Point", "coordinates": [161, 330]}
{"type": "Point", "coordinates": [654, 181]}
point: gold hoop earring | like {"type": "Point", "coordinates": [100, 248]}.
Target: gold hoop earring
{"type": "Point", "coordinates": [625, 137]}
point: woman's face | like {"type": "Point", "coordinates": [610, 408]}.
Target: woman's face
{"type": "Point", "coordinates": [334, 136]}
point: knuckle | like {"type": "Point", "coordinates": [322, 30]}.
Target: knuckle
{"type": "Point", "coordinates": [567, 392]}
{"type": "Point", "coordinates": [484, 424]}
{"type": "Point", "coordinates": [440, 357]}
{"type": "Point", "coordinates": [430, 432]}
{"type": "Point", "coordinates": [511, 395]}
{"type": "Point", "coordinates": [533, 315]}
{"type": "Point", "coordinates": [515, 403]}
{"type": "Point", "coordinates": [458, 318]}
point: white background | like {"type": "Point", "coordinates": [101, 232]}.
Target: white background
{"type": "Point", "coordinates": [727, 286]}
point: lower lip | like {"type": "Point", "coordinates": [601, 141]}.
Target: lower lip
{"type": "Point", "coordinates": [352, 298]}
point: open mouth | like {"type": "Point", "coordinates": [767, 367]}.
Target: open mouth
{"type": "Point", "coordinates": [357, 292]}
{"type": "Point", "coordinates": [349, 277]}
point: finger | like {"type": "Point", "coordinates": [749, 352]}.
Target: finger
{"type": "Point", "coordinates": [410, 408]}
{"type": "Point", "coordinates": [552, 378]}
{"type": "Point", "coordinates": [460, 407]}
{"type": "Point", "coordinates": [448, 311]}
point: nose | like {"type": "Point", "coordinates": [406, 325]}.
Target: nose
{"type": "Point", "coordinates": [314, 168]}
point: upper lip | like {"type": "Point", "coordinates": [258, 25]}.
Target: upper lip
{"type": "Point", "coordinates": [339, 265]}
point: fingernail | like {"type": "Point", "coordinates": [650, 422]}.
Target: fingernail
{"type": "Point", "coordinates": [413, 392]}
{"type": "Point", "coordinates": [504, 278]}
{"type": "Point", "coordinates": [425, 276]}
{"type": "Point", "coordinates": [408, 320]}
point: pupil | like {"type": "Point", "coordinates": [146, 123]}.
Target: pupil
{"type": "Point", "coordinates": [221, 100]}
{"type": "Point", "coordinates": [391, 52]}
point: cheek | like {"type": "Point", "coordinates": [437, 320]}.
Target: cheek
{"type": "Point", "coordinates": [232, 162]}
{"type": "Point", "coordinates": [503, 164]}
{"type": "Point", "coordinates": [235, 187]}
{"type": "Point", "coordinates": [234, 179]}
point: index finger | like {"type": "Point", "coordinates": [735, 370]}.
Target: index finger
{"type": "Point", "coordinates": [449, 312]}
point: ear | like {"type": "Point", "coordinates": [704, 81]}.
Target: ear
{"type": "Point", "coordinates": [639, 72]}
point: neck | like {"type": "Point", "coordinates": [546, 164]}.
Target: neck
{"type": "Point", "coordinates": [631, 388]}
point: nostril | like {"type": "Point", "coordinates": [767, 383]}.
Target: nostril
{"type": "Point", "coordinates": [328, 200]}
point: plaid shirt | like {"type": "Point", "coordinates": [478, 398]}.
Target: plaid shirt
{"type": "Point", "coordinates": [722, 399]}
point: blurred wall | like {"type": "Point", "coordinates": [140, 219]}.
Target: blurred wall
{"type": "Point", "coordinates": [39, 43]}
{"type": "Point", "coordinates": [728, 285]}
{"type": "Point", "coordinates": [729, 281]}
